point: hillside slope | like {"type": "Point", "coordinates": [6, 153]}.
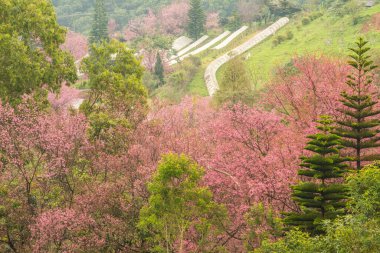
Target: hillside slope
{"type": "Point", "coordinates": [309, 33]}
{"type": "Point", "coordinates": [327, 34]}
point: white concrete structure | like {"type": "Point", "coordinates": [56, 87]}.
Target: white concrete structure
{"type": "Point", "coordinates": [205, 46]}
{"type": "Point", "coordinates": [210, 74]}
{"type": "Point", "coordinates": [231, 38]}
{"type": "Point", "coordinates": [187, 49]}
{"type": "Point", "coordinates": [181, 42]}
{"type": "Point", "coordinates": [191, 46]}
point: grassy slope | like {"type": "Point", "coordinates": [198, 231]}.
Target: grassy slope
{"type": "Point", "coordinates": [328, 35]}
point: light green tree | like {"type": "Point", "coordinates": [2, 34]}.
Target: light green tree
{"type": "Point", "coordinates": [117, 95]}
{"type": "Point", "coordinates": [179, 205]}
{"type": "Point", "coordinates": [30, 54]}
{"type": "Point", "coordinates": [235, 86]}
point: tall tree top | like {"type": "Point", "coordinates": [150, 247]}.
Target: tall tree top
{"type": "Point", "coordinates": [99, 30]}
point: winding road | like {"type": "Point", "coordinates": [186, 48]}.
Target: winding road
{"type": "Point", "coordinates": [213, 67]}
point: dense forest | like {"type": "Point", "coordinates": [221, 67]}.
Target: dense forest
{"type": "Point", "coordinates": [115, 141]}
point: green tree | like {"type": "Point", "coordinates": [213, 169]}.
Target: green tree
{"type": "Point", "coordinates": [179, 205]}
{"type": "Point", "coordinates": [360, 126]}
{"type": "Point", "coordinates": [322, 196]}
{"type": "Point", "coordinates": [30, 54]}
{"type": "Point", "coordinates": [357, 232]}
{"type": "Point", "coordinates": [99, 31]}
{"type": "Point", "coordinates": [197, 19]}
{"type": "Point", "coordinates": [117, 95]}
{"type": "Point", "coordinates": [159, 69]}
{"type": "Point", "coordinates": [235, 86]}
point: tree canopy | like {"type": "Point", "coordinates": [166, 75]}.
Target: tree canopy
{"type": "Point", "coordinates": [31, 58]}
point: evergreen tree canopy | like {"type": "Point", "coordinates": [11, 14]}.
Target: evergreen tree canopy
{"type": "Point", "coordinates": [99, 30]}
{"type": "Point", "coordinates": [159, 69]}
{"type": "Point", "coordinates": [360, 126]}
{"type": "Point", "coordinates": [321, 196]}
{"type": "Point", "coordinates": [197, 19]}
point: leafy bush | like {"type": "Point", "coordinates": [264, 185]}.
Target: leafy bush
{"type": "Point", "coordinates": [306, 21]}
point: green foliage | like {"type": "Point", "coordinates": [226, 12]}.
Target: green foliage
{"type": "Point", "coordinates": [365, 191]}
{"type": "Point", "coordinates": [263, 224]}
{"type": "Point", "coordinates": [159, 69]}
{"type": "Point", "coordinates": [234, 22]}
{"type": "Point", "coordinates": [31, 58]}
{"type": "Point", "coordinates": [197, 19]}
{"type": "Point", "coordinates": [305, 21]}
{"type": "Point", "coordinates": [99, 30]}
{"type": "Point", "coordinates": [282, 38]}
{"type": "Point", "coordinates": [359, 129]}
{"type": "Point", "coordinates": [235, 86]}
{"type": "Point", "coordinates": [116, 91]}
{"type": "Point", "coordinates": [177, 205]}
{"type": "Point", "coordinates": [323, 197]}
{"type": "Point", "coordinates": [294, 242]}
{"type": "Point", "coordinates": [358, 232]}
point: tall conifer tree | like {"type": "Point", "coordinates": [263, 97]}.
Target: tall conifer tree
{"type": "Point", "coordinates": [99, 30]}
{"type": "Point", "coordinates": [360, 126]}
{"type": "Point", "coordinates": [320, 196]}
{"type": "Point", "coordinates": [159, 69]}
{"type": "Point", "coordinates": [197, 19]}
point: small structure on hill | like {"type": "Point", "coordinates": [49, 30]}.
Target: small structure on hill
{"type": "Point", "coordinates": [369, 3]}
{"type": "Point", "coordinates": [181, 42]}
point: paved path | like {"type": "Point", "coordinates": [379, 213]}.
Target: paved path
{"type": "Point", "coordinates": [231, 38]}
{"type": "Point", "coordinates": [210, 74]}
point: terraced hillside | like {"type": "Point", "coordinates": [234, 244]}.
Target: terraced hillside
{"type": "Point", "coordinates": [328, 34]}
{"type": "Point", "coordinates": [324, 32]}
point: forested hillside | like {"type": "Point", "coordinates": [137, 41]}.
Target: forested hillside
{"type": "Point", "coordinates": [107, 146]}
{"type": "Point", "coordinates": [77, 14]}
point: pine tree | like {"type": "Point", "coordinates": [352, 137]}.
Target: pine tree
{"type": "Point", "coordinates": [99, 30]}
{"type": "Point", "coordinates": [197, 19]}
{"type": "Point", "coordinates": [159, 69]}
{"type": "Point", "coordinates": [321, 196]}
{"type": "Point", "coordinates": [360, 128]}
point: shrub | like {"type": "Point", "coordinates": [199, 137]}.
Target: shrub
{"type": "Point", "coordinates": [306, 21]}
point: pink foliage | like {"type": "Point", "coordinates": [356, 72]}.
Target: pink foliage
{"type": "Point", "coordinates": [65, 230]}
{"type": "Point", "coordinates": [314, 89]}
{"type": "Point", "coordinates": [212, 20]}
{"type": "Point", "coordinates": [171, 19]}
{"type": "Point", "coordinates": [67, 96]}
{"type": "Point", "coordinates": [112, 27]}
{"type": "Point", "coordinates": [76, 44]}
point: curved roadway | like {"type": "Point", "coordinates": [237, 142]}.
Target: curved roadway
{"type": "Point", "coordinates": [210, 74]}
